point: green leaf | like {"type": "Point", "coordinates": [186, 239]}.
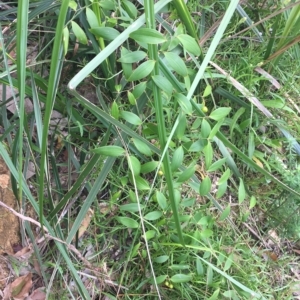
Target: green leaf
{"type": "Point", "coordinates": [177, 158]}
{"type": "Point", "coordinates": [79, 33]}
{"type": "Point", "coordinates": [186, 174]}
{"type": "Point", "coordinates": [228, 262]}
{"type": "Point", "coordinates": [242, 191]}
{"type": "Point", "coordinates": [221, 190]}
{"type": "Point", "coordinates": [176, 63]}
{"type": "Point", "coordinates": [252, 202]}
{"type": "Point", "coordinates": [132, 57]}
{"type": "Point", "coordinates": [251, 145]}
{"type": "Point", "coordinates": [91, 18]}
{"type": "Point", "coordinates": [150, 234]}
{"type": "Point", "coordinates": [134, 165]}
{"type": "Point", "coordinates": [148, 36]}
{"type": "Point", "coordinates": [161, 200]}
{"type": "Point", "coordinates": [127, 68]}
{"type": "Point", "coordinates": [142, 71]}
{"type": "Point", "coordinates": [205, 186]}
{"type": "Point", "coordinates": [184, 103]}
{"type": "Point", "coordinates": [180, 278]}
{"type": "Point", "coordinates": [207, 91]}
{"type": "Point", "coordinates": [161, 259]}
{"type": "Point", "coordinates": [215, 295]}
{"type": "Point", "coordinates": [159, 279]}
{"type": "Point", "coordinates": [206, 233]}
{"type": "Point", "coordinates": [205, 129]}
{"type": "Point", "coordinates": [149, 167]}
{"type": "Point", "coordinates": [66, 36]}
{"type": "Point", "coordinates": [215, 129]}
{"type": "Point", "coordinates": [179, 267]}
{"type": "Point", "coordinates": [131, 207]}
{"type": "Point", "coordinates": [152, 216]}
{"type": "Point", "coordinates": [217, 165]}
{"type": "Point", "coordinates": [131, 98]}
{"type": "Point", "coordinates": [208, 154]}
{"type": "Point", "coordinates": [181, 127]}
{"type": "Point", "coordinates": [107, 33]}
{"type": "Point", "coordinates": [108, 4]}
{"type": "Point", "coordinates": [224, 177]}
{"type": "Point", "coordinates": [139, 89]}
{"type": "Point", "coordinates": [131, 118]}
{"type": "Point", "coordinates": [197, 146]}
{"type": "Point", "coordinates": [142, 147]}
{"type": "Point", "coordinates": [199, 267]}
{"type": "Point", "coordinates": [113, 151]}
{"type": "Point", "coordinates": [189, 44]}
{"type": "Point", "coordinates": [220, 113]}
{"type": "Point", "coordinates": [130, 8]}
{"type": "Point", "coordinates": [73, 5]}
{"type": "Point", "coordinates": [141, 184]}
{"type": "Point", "coordinates": [115, 110]}
{"type": "Point", "coordinates": [128, 222]}
{"type": "Point", "coordinates": [135, 249]}
{"type": "Point", "coordinates": [163, 83]}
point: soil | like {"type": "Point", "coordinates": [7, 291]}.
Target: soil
{"type": "Point", "coordinates": [9, 226]}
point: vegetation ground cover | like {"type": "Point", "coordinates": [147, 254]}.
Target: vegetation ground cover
{"type": "Point", "coordinates": [152, 148]}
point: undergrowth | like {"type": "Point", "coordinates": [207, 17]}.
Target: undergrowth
{"type": "Point", "coordinates": [163, 145]}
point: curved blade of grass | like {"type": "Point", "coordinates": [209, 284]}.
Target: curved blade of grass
{"type": "Point", "coordinates": [249, 22]}
{"type": "Point", "coordinates": [185, 17]}
{"type": "Point", "coordinates": [22, 34]}
{"type": "Point", "coordinates": [153, 54]}
{"type": "Point", "coordinates": [56, 65]}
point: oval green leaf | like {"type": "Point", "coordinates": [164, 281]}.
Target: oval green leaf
{"type": "Point", "coordinates": [217, 165]}
{"type": "Point", "coordinates": [142, 71]}
{"type": "Point", "coordinates": [189, 44]}
{"type": "Point", "coordinates": [184, 103]}
{"type": "Point", "coordinates": [107, 33]}
{"type": "Point", "coordinates": [148, 36]}
{"type": "Point", "coordinates": [113, 151]}
{"type": "Point", "coordinates": [91, 18]}
{"type": "Point", "coordinates": [205, 186]}
{"type": "Point", "coordinates": [152, 216]}
{"type": "Point", "coordinates": [242, 191]}
{"type": "Point", "coordinates": [79, 33]}
{"type": "Point", "coordinates": [163, 83]}
{"type": "Point", "coordinates": [141, 184]}
{"type": "Point", "coordinates": [66, 35]}
{"type": "Point", "coordinates": [128, 222]}
{"type": "Point", "coordinates": [149, 167]}
{"type": "Point", "coordinates": [131, 207]}
{"type": "Point", "coordinates": [161, 259]}
{"type": "Point", "coordinates": [134, 165]}
{"type": "Point", "coordinates": [177, 158]}
{"type": "Point", "coordinates": [176, 63]}
{"type": "Point", "coordinates": [161, 200]}
{"type": "Point", "coordinates": [132, 57]}
{"type": "Point", "coordinates": [180, 278]}
{"type": "Point", "coordinates": [142, 147]}
{"type": "Point", "coordinates": [131, 118]}
{"type": "Point", "coordinates": [186, 174]}
{"type": "Point", "coordinates": [208, 154]}
{"type": "Point", "coordinates": [220, 113]}
{"type": "Point", "coordinates": [225, 213]}
{"type": "Point", "coordinates": [205, 129]}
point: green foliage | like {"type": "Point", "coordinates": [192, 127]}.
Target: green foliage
{"type": "Point", "coordinates": [168, 140]}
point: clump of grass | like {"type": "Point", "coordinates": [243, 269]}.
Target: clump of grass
{"type": "Point", "coordinates": [162, 146]}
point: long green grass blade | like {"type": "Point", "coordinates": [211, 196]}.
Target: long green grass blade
{"type": "Point", "coordinates": [56, 64]}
